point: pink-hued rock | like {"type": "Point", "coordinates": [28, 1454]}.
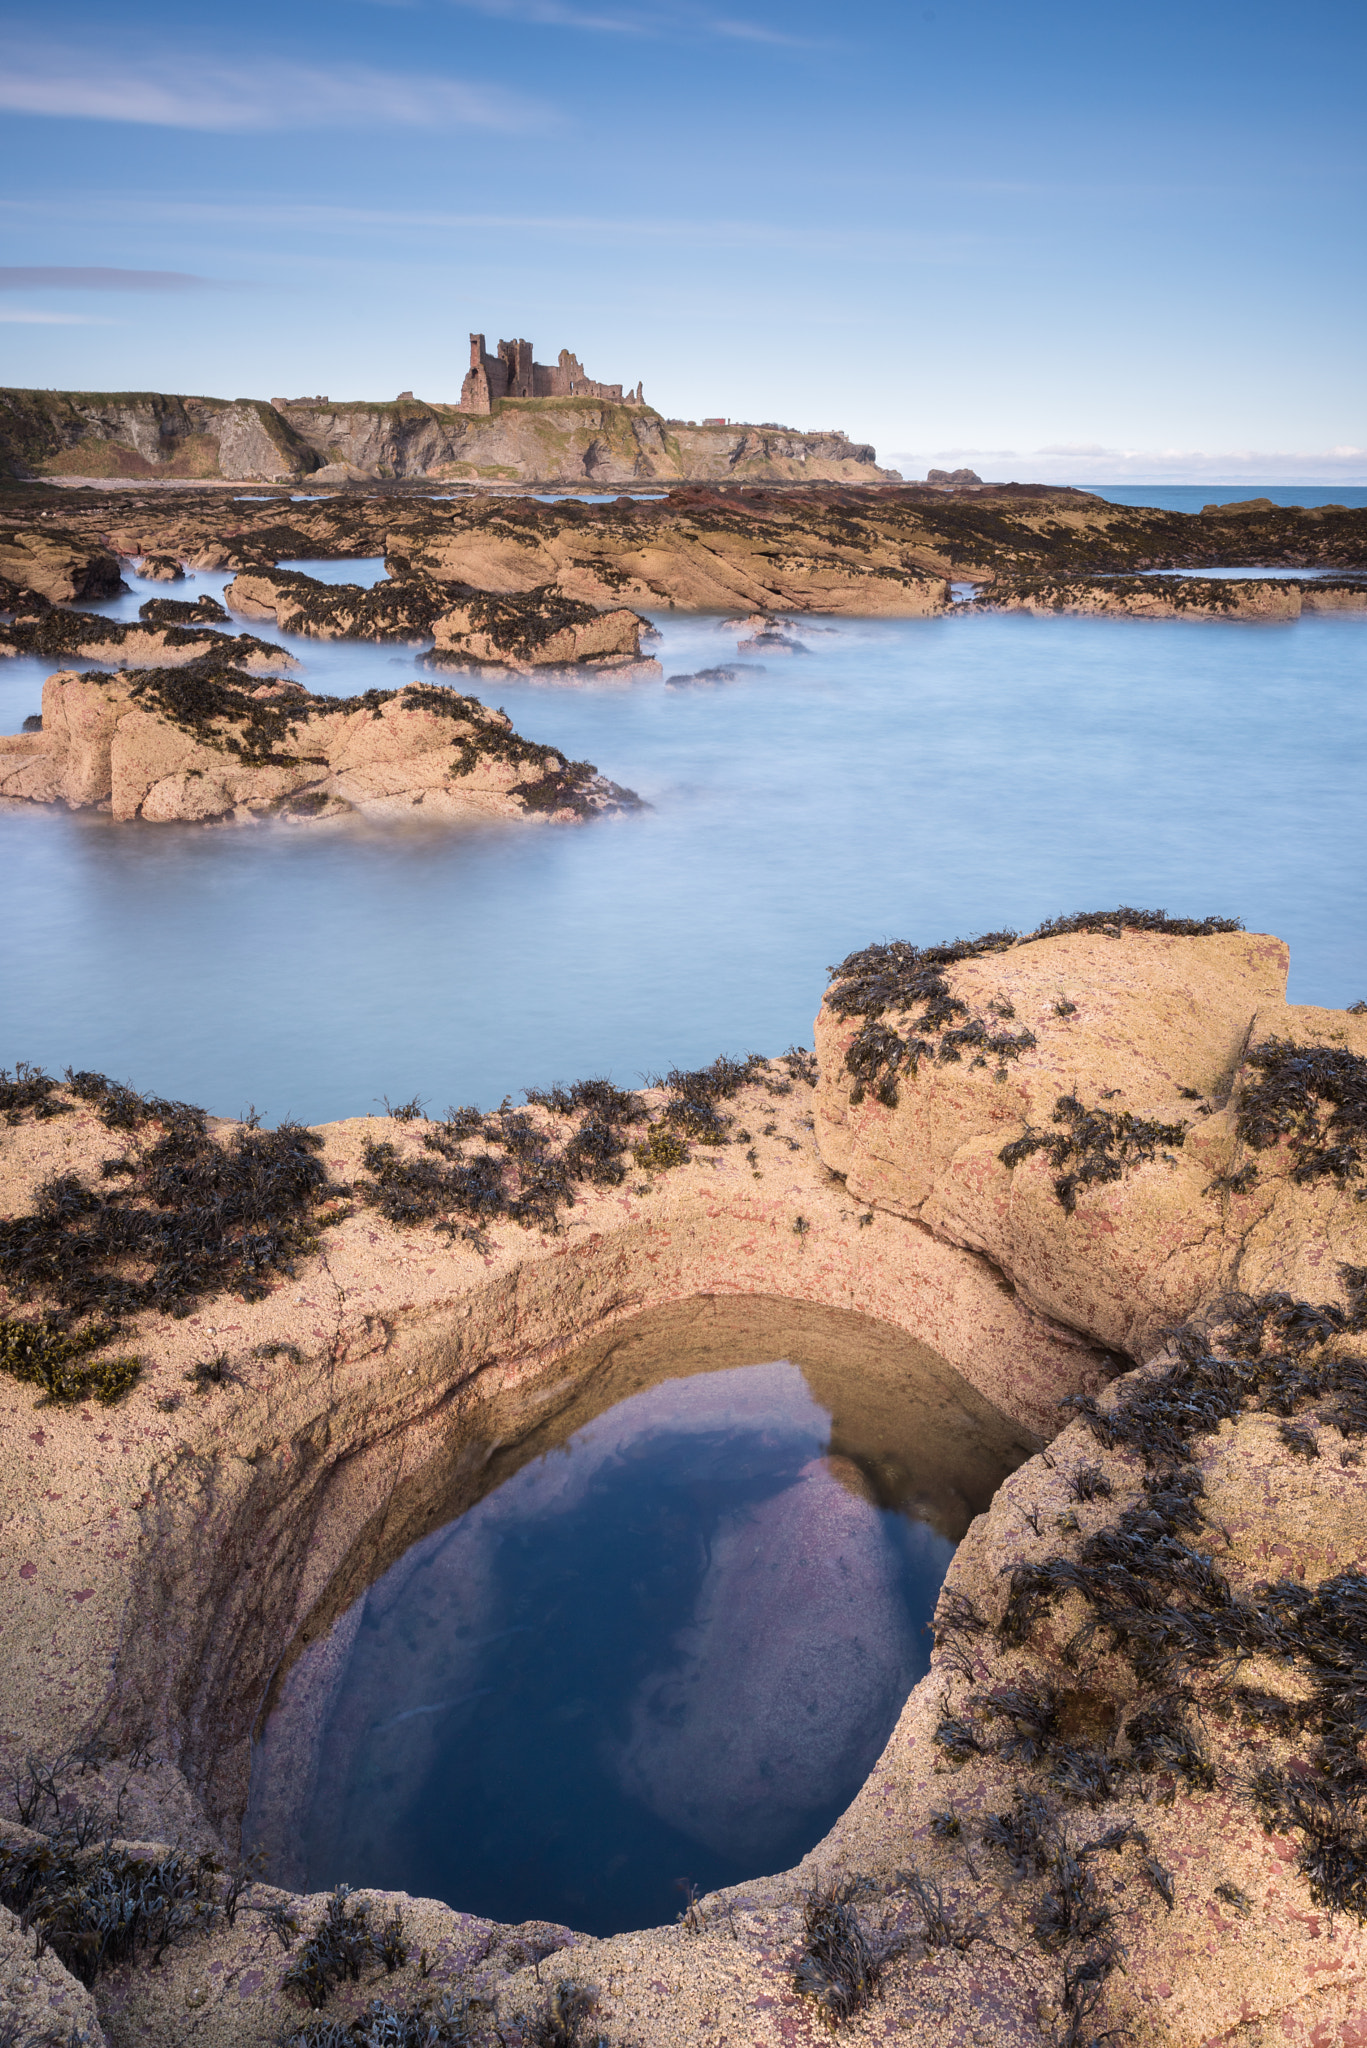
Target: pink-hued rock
{"type": "Point", "coordinates": [129, 743]}
{"type": "Point", "coordinates": [785, 1682]}
{"type": "Point", "coordinates": [1152, 1016]}
{"type": "Point", "coordinates": [165, 1559]}
{"type": "Point", "coordinates": [40, 1999]}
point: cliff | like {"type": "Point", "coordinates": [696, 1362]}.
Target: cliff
{"type": "Point", "coordinates": [549, 440]}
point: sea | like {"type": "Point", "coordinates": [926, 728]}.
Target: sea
{"type": "Point", "coordinates": [918, 779]}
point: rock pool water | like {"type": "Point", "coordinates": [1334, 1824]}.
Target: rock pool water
{"type": "Point", "coordinates": [665, 1653]}
{"type": "Point", "coordinates": [915, 778]}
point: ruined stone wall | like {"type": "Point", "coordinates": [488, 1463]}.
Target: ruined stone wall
{"type": "Point", "coordinates": [512, 373]}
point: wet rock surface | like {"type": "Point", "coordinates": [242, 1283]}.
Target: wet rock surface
{"type": "Point", "coordinates": [748, 550]}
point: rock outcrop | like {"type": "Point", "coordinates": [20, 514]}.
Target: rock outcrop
{"type": "Point", "coordinates": [538, 628]}
{"type": "Point", "coordinates": [1261, 598]}
{"type": "Point", "coordinates": [55, 564]}
{"type": "Point", "coordinates": [159, 639]}
{"type": "Point", "coordinates": [206, 742]}
{"type": "Point", "coordinates": [1139, 1739]}
{"type": "Point", "coordinates": [743, 551]}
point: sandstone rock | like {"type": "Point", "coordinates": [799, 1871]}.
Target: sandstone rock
{"type": "Point", "coordinates": [542, 629]}
{"type": "Point", "coordinates": [40, 2001]}
{"type": "Point", "coordinates": [58, 565]}
{"type": "Point", "coordinates": [1152, 597]}
{"type": "Point", "coordinates": [161, 569]}
{"type": "Point", "coordinates": [263, 1508]}
{"type": "Point", "coordinates": [158, 641]}
{"type": "Point", "coordinates": [212, 742]}
{"type": "Point", "coordinates": [1140, 1026]}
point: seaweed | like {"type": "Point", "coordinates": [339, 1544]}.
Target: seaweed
{"type": "Point", "coordinates": [837, 1967]}
{"type": "Point", "coordinates": [1069, 1910]}
{"type": "Point", "coordinates": [28, 1090]}
{"type": "Point", "coordinates": [454, 2023]}
{"type": "Point", "coordinates": [1096, 1146]}
{"type": "Point", "coordinates": [1111, 923]}
{"type": "Point", "coordinates": [181, 1216]}
{"type": "Point", "coordinates": [1316, 1098]}
{"type": "Point", "coordinates": [98, 1909]}
{"type": "Point", "coordinates": [49, 1357]}
{"type": "Point", "coordinates": [1022, 1834]}
{"type": "Point", "coordinates": [340, 1947]}
{"type": "Point", "coordinates": [562, 2020]}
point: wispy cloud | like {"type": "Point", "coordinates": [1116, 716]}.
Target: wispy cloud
{"type": "Point", "coordinates": [25, 317]}
{"type": "Point", "coordinates": [97, 277]}
{"type": "Point", "coordinates": [197, 91]}
{"type": "Point", "coordinates": [674, 24]}
{"type": "Point", "coordinates": [874, 244]}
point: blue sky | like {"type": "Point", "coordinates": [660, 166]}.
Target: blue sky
{"type": "Point", "coordinates": [1045, 239]}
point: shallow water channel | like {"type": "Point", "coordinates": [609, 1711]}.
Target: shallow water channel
{"type": "Point", "coordinates": [663, 1650]}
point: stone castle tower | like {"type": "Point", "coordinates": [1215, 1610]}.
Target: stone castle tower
{"type": "Point", "coordinates": [513, 374]}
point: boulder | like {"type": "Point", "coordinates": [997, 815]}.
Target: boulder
{"type": "Point", "coordinates": [542, 628]}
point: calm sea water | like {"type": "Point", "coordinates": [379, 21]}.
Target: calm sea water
{"type": "Point", "coordinates": [1191, 497]}
{"type": "Point", "coordinates": [665, 1655]}
{"type": "Point", "coordinates": [911, 778]}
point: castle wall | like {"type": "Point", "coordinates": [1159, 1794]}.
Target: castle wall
{"type": "Point", "coordinates": [512, 373]}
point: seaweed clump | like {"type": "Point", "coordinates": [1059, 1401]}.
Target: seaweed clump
{"type": "Point", "coordinates": [99, 1908]}
{"type": "Point", "coordinates": [1094, 1147]}
{"type": "Point", "coordinates": [838, 1968]}
{"type": "Point", "coordinates": [180, 1215]}
{"type": "Point", "coordinates": [508, 1166]}
{"type": "Point", "coordinates": [449, 2024]}
{"type": "Point", "coordinates": [343, 1944]}
{"type": "Point", "coordinates": [1314, 1096]}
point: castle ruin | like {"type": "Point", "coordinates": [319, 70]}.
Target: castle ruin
{"type": "Point", "coordinates": [513, 374]}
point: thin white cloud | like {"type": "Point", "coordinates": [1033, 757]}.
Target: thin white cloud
{"type": "Point", "coordinates": [26, 318]}
{"type": "Point", "coordinates": [97, 277]}
{"type": "Point", "coordinates": [674, 24]}
{"type": "Point", "coordinates": [871, 245]}
{"type": "Point", "coordinates": [197, 91]}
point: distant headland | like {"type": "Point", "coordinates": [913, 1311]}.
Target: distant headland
{"type": "Point", "coordinates": [516, 421]}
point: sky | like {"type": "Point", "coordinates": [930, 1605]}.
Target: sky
{"type": "Point", "coordinates": [1045, 240]}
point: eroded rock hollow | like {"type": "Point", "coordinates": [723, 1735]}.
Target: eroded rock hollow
{"type": "Point", "coordinates": [1106, 1166]}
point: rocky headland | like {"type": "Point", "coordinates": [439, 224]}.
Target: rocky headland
{"type": "Point", "coordinates": [1105, 1166]}
{"type": "Point", "coordinates": [211, 742]}
{"type": "Point", "coordinates": [532, 440]}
